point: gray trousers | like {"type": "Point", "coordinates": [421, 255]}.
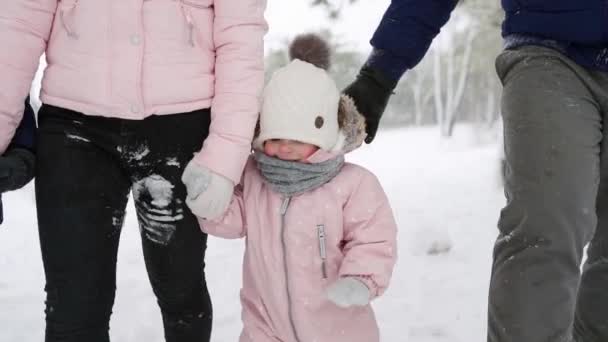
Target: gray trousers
{"type": "Point", "coordinates": [556, 152]}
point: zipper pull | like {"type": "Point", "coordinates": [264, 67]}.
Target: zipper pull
{"type": "Point", "coordinates": [285, 205]}
{"type": "Point", "coordinates": [189, 23]}
{"type": "Point", "coordinates": [64, 23]}
{"type": "Point", "coordinates": [190, 29]}
{"type": "Point", "coordinates": [322, 250]}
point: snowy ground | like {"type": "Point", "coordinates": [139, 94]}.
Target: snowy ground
{"type": "Point", "coordinates": [441, 191]}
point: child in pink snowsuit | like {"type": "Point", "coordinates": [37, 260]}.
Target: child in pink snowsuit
{"type": "Point", "coordinates": [320, 234]}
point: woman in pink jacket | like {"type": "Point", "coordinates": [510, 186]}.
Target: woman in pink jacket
{"type": "Point", "coordinates": [134, 89]}
{"type": "Point", "coordinates": [321, 238]}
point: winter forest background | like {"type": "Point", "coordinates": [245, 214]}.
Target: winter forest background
{"type": "Point", "coordinates": [437, 156]}
{"type": "Point", "coordinates": [454, 83]}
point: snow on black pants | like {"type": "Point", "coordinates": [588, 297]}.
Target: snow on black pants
{"type": "Point", "coordinates": [556, 150]}
{"type": "Point", "coordinates": [86, 168]}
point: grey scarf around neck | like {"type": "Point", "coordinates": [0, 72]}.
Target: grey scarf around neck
{"type": "Point", "coordinates": [293, 178]}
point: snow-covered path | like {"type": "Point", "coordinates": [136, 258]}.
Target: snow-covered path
{"type": "Point", "coordinates": [444, 194]}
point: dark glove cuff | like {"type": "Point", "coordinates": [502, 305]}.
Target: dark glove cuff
{"type": "Point", "coordinates": [378, 77]}
{"type": "Point", "coordinates": [391, 66]}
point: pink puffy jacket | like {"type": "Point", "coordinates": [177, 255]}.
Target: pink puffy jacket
{"type": "Point", "coordinates": [135, 58]}
{"type": "Point", "coordinates": [286, 272]}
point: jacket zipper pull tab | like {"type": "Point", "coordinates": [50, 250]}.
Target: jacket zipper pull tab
{"type": "Point", "coordinates": [190, 30]}
{"type": "Point", "coordinates": [189, 23]}
{"type": "Point", "coordinates": [284, 205]}
{"type": "Point", "coordinates": [64, 23]}
{"type": "Point", "coordinates": [322, 249]}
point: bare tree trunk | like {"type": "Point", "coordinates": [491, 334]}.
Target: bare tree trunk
{"type": "Point", "coordinates": [417, 92]}
{"type": "Point", "coordinates": [439, 109]}
{"type": "Point", "coordinates": [418, 82]}
{"type": "Point", "coordinates": [449, 91]}
{"type": "Point", "coordinates": [456, 97]}
{"type": "Point", "coordinates": [421, 97]}
{"type": "Point", "coordinates": [491, 113]}
{"type": "Point", "coordinates": [495, 105]}
{"type": "Point", "coordinates": [428, 96]}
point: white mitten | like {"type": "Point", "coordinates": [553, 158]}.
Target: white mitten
{"type": "Point", "coordinates": [209, 194]}
{"type": "Point", "coordinates": [347, 292]}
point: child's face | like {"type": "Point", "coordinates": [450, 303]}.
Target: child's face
{"type": "Point", "coordinates": [289, 149]}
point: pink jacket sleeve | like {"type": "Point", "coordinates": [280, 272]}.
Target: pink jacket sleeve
{"type": "Point", "coordinates": [370, 235]}
{"type": "Point", "coordinates": [232, 225]}
{"type": "Point", "coordinates": [24, 31]}
{"type": "Point", "coordinates": [238, 34]}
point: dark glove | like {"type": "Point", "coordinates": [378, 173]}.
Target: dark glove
{"type": "Point", "coordinates": [16, 168]}
{"type": "Point", "coordinates": [371, 92]}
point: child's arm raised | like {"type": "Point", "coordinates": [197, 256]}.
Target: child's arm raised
{"type": "Point", "coordinates": [226, 220]}
{"type": "Point", "coordinates": [232, 224]}
{"type": "Point", "coordinates": [370, 236]}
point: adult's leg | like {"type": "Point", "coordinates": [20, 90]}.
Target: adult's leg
{"type": "Point", "coordinates": [552, 132]}
{"type": "Point", "coordinates": [173, 244]}
{"type": "Point", "coordinates": [591, 322]}
{"type": "Point", "coordinates": [81, 194]}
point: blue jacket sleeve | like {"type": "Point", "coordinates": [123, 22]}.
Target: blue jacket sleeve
{"type": "Point", "coordinates": [406, 32]}
{"type": "Point", "coordinates": [25, 135]}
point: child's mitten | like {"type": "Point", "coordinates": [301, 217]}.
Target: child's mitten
{"type": "Point", "coordinates": [209, 194]}
{"type": "Point", "coordinates": [347, 292]}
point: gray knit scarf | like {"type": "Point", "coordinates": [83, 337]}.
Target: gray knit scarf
{"type": "Point", "coordinates": [293, 178]}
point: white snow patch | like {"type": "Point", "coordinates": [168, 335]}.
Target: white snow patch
{"type": "Point", "coordinates": [140, 153]}
{"type": "Point", "coordinates": [77, 137]}
{"type": "Point", "coordinates": [160, 189]}
{"type": "Point", "coordinates": [173, 162]}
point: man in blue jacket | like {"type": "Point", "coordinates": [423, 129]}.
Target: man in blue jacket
{"type": "Point", "coordinates": [17, 163]}
{"type": "Point", "coordinates": [554, 72]}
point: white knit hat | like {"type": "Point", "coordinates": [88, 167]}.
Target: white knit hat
{"type": "Point", "coordinates": [302, 102]}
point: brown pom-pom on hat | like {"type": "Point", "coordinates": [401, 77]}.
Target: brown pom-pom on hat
{"type": "Point", "coordinates": [312, 49]}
